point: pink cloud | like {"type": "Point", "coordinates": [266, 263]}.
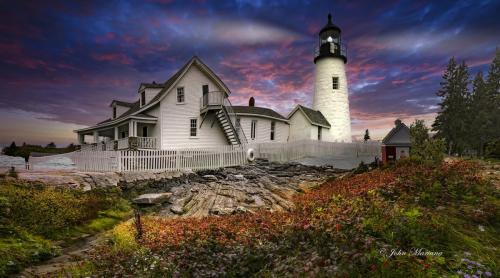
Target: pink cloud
{"type": "Point", "coordinates": [115, 58]}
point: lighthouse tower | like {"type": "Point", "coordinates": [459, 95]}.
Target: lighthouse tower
{"type": "Point", "coordinates": [330, 88]}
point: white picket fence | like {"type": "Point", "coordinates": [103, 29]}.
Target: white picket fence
{"type": "Point", "coordinates": [217, 157]}
{"type": "Point", "coordinates": [160, 160]}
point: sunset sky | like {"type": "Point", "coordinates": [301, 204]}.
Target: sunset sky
{"type": "Point", "coordinates": [62, 62]}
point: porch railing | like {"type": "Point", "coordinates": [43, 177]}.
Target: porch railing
{"type": "Point", "coordinates": [146, 142]}
{"type": "Point", "coordinates": [122, 144]}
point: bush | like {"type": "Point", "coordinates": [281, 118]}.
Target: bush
{"type": "Point", "coordinates": [493, 149]}
{"type": "Point", "coordinates": [50, 211]}
{"type": "Point", "coordinates": [336, 230]}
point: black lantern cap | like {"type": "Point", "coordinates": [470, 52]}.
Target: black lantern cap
{"type": "Point", "coordinates": [329, 25]}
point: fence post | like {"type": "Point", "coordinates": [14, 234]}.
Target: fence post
{"type": "Point", "coordinates": [119, 162]}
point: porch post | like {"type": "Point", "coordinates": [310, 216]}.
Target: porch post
{"type": "Point", "coordinates": [81, 138]}
{"type": "Point", "coordinates": [131, 129]}
{"type": "Point", "coordinates": [96, 137]}
{"type": "Point", "coordinates": [116, 132]}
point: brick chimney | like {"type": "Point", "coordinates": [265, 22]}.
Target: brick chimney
{"type": "Point", "coordinates": [251, 102]}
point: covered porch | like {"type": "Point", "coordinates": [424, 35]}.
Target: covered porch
{"type": "Point", "coordinates": [132, 134]}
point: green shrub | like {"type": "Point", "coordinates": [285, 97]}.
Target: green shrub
{"type": "Point", "coordinates": [48, 211]}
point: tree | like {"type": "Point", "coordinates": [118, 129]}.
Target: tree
{"type": "Point", "coordinates": [51, 145]}
{"type": "Point", "coordinates": [480, 117]}
{"type": "Point", "coordinates": [367, 135]}
{"type": "Point", "coordinates": [424, 148]}
{"type": "Point", "coordinates": [450, 123]}
{"type": "Point", "coordinates": [493, 93]}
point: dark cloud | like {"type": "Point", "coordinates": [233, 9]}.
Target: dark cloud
{"type": "Point", "coordinates": [67, 60]}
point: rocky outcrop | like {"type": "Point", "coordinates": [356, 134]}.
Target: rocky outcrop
{"type": "Point", "coordinates": [262, 185]}
{"type": "Point", "coordinates": [152, 198]}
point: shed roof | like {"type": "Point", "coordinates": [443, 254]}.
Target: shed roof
{"type": "Point", "coordinates": [402, 131]}
{"type": "Point", "coordinates": [313, 116]}
{"type": "Point", "coordinates": [258, 111]}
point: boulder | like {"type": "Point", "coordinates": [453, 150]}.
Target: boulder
{"type": "Point", "coordinates": [152, 198]}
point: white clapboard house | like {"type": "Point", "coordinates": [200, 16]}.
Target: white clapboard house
{"type": "Point", "coordinates": [192, 109]}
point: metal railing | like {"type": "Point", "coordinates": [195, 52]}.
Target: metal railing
{"type": "Point", "coordinates": [334, 49]}
{"type": "Point", "coordinates": [233, 118]}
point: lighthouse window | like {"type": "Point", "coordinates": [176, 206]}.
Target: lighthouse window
{"type": "Point", "coordinates": [335, 83]}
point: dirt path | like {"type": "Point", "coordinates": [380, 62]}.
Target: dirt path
{"type": "Point", "coordinates": [71, 255]}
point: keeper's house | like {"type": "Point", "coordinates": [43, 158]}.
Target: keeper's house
{"type": "Point", "coordinates": [191, 109]}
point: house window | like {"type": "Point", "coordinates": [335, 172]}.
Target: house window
{"type": "Point", "coordinates": [193, 127]}
{"type": "Point", "coordinates": [319, 133]}
{"type": "Point", "coordinates": [273, 128]}
{"type": "Point", "coordinates": [114, 112]}
{"type": "Point", "coordinates": [335, 83]}
{"type": "Point", "coordinates": [253, 129]}
{"type": "Point", "coordinates": [143, 98]}
{"type": "Point", "coordinates": [205, 89]}
{"type": "Point", "coordinates": [144, 131]}
{"type": "Point", "coordinates": [180, 95]}
{"type": "Point", "coordinates": [123, 135]}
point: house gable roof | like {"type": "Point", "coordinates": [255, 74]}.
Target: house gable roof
{"type": "Point", "coordinates": [399, 129]}
{"type": "Point", "coordinates": [314, 117]}
{"type": "Point", "coordinates": [122, 103]}
{"type": "Point", "coordinates": [135, 108]}
{"type": "Point", "coordinates": [180, 73]}
{"type": "Point", "coordinates": [258, 111]}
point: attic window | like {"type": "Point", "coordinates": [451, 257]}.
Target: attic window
{"type": "Point", "coordinates": [143, 98]}
{"type": "Point", "coordinates": [114, 112]}
{"type": "Point", "coordinates": [335, 83]}
{"type": "Point", "coordinates": [180, 95]}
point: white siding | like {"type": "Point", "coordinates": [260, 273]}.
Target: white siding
{"type": "Point", "coordinates": [300, 128]}
{"type": "Point", "coordinates": [402, 151]}
{"type": "Point", "coordinates": [263, 129]}
{"type": "Point", "coordinates": [119, 110]}
{"type": "Point", "coordinates": [150, 93]}
{"type": "Point", "coordinates": [175, 118]}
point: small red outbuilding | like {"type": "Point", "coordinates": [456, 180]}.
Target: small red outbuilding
{"type": "Point", "coordinates": [397, 143]}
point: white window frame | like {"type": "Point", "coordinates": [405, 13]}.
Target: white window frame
{"type": "Point", "coordinates": [181, 93]}
{"type": "Point", "coordinates": [253, 129]}
{"type": "Point", "coordinates": [191, 127]}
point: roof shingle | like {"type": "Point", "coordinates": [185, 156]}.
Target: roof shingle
{"type": "Point", "coordinates": [315, 117]}
{"type": "Point", "coordinates": [261, 111]}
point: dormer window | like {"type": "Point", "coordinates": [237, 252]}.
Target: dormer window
{"type": "Point", "coordinates": [114, 112]}
{"type": "Point", "coordinates": [143, 98]}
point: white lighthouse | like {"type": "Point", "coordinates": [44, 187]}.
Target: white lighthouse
{"type": "Point", "coordinates": [331, 96]}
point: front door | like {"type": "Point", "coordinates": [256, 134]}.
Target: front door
{"type": "Point", "coordinates": [205, 95]}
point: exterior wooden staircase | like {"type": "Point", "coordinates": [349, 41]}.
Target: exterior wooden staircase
{"type": "Point", "coordinates": [221, 106]}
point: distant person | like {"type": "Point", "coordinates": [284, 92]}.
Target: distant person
{"type": "Point", "coordinates": [26, 162]}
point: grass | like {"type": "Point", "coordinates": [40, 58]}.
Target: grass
{"type": "Point", "coordinates": [343, 228]}
{"type": "Point", "coordinates": [36, 219]}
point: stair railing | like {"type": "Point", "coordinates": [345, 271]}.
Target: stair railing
{"type": "Point", "coordinates": [232, 117]}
